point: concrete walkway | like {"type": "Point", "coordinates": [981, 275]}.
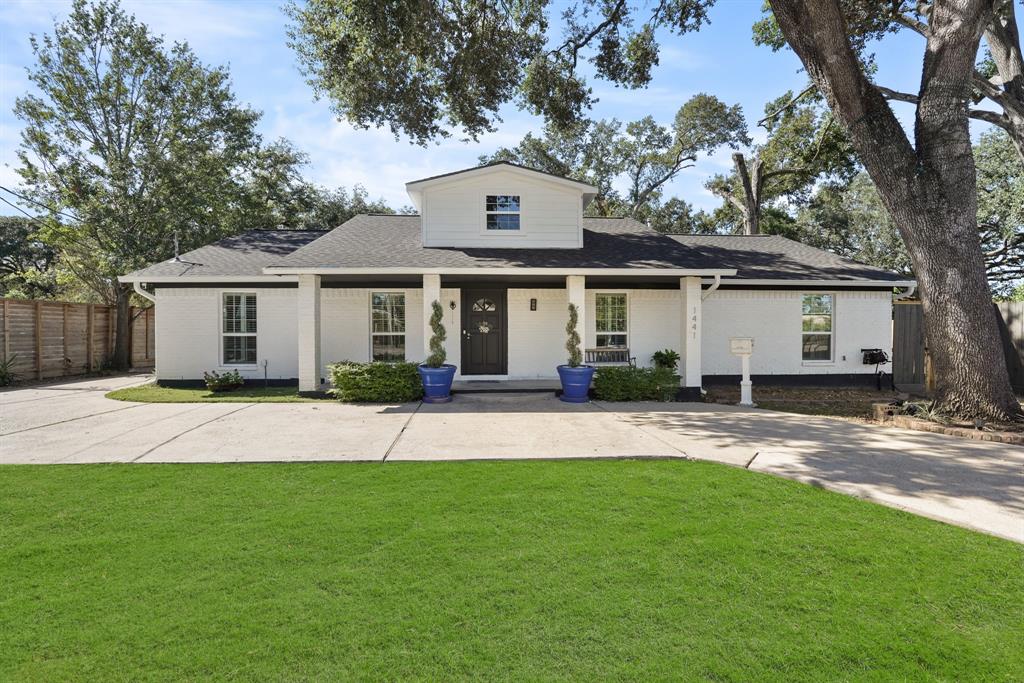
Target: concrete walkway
{"type": "Point", "coordinates": [970, 483]}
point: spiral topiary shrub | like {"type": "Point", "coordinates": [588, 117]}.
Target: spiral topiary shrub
{"type": "Point", "coordinates": [437, 353]}
{"type": "Point", "coordinates": [572, 343]}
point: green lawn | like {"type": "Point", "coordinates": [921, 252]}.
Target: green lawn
{"type": "Point", "coordinates": [529, 570]}
{"type": "Point", "coordinates": [152, 393]}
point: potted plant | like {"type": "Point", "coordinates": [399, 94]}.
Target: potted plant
{"type": "Point", "coordinates": [666, 358]}
{"type": "Point", "coordinates": [435, 374]}
{"type": "Point", "coordinates": [575, 376]}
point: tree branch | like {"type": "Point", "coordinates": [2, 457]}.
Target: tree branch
{"type": "Point", "coordinates": [793, 100]}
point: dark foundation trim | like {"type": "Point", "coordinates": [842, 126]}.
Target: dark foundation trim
{"type": "Point", "coordinates": [867, 379]}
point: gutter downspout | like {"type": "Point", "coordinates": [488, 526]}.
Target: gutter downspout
{"type": "Point", "coordinates": [909, 292]}
{"type": "Point", "coordinates": [137, 286]}
{"type": "Point", "coordinates": [715, 285]}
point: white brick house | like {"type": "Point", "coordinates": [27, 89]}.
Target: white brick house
{"type": "Point", "coordinates": [505, 249]}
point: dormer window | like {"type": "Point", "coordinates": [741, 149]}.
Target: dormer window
{"type": "Point", "coordinates": [502, 212]}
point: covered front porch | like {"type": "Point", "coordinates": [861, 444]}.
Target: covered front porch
{"type": "Point", "coordinates": [502, 327]}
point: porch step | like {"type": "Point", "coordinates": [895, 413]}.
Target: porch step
{"type": "Point", "coordinates": [505, 386]}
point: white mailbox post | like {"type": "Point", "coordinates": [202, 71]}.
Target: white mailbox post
{"type": "Point", "coordinates": [743, 347]}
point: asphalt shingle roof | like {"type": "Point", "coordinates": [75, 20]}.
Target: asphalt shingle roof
{"type": "Point", "coordinates": [394, 241]}
{"type": "Point", "coordinates": [773, 257]}
{"type": "Point", "coordinates": [244, 254]}
{"type": "Point", "coordinates": [374, 241]}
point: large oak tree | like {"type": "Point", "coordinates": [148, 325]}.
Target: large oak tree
{"type": "Point", "coordinates": [427, 69]}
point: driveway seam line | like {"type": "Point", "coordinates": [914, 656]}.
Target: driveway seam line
{"type": "Point", "coordinates": [640, 429]}
{"type": "Point", "coordinates": [129, 431]}
{"type": "Point", "coordinates": [401, 432]}
{"type": "Point", "coordinates": [71, 419]}
{"type": "Point", "coordinates": [190, 429]}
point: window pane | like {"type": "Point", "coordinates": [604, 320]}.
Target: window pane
{"type": "Point", "coordinates": [502, 221]}
{"type": "Point", "coordinates": [239, 313]}
{"type": "Point", "coordinates": [483, 305]}
{"type": "Point", "coordinates": [388, 312]}
{"type": "Point", "coordinates": [389, 347]}
{"type": "Point", "coordinates": [817, 303]}
{"type": "Point", "coordinates": [249, 314]}
{"type": "Point", "coordinates": [232, 313]}
{"type": "Point", "coordinates": [610, 313]}
{"type": "Point", "coordinates": [239, 350]}
{"type": "Point", "coordinates": [817, 323]}
{"type": "Point", "coordinates": [611, 341]}
{"type": "Point", "coordinates": [817, 347]}
{"type": "Point", "coordinates": [503, 202]}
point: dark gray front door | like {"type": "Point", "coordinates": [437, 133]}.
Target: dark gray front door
{"type": "Point", "coordinates": [484, 332]}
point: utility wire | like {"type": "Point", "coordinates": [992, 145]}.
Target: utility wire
{"type": "Point", "coordinates": [34, 219]}
{"type": "Point", "coordinates": [33, 201]}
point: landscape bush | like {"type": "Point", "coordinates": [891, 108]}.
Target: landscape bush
{"type": "Point", "coordinates": [228, 381]}
{"type": "Point", "coordinates": [375, 382]}
{"type": "Point", "coordinates": [635, 384]}
{"type": "Point", "coordinates": [7, 375]}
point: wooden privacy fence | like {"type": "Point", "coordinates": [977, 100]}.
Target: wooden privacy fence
{"type": "Point", "coordinates": [910, 362]}
{"type": "Point", "coordinates": [59, 339]}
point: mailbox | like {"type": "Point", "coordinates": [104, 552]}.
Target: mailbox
{"type": "Point", "coordinates": [874, 356]}
{"type": "Point", "coordinates": [741, 346]}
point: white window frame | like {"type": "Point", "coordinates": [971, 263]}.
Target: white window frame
{"type": "Point", "coordinates": [222, 301]}
{"type": "Point", "coordinates": [487, 213]}
{"type": "Point", "coordinates": [405, 319]}
{"type": "Point", "coordinates": [831, 333]}
{"type": "Point", "coordinates": [625, 333]}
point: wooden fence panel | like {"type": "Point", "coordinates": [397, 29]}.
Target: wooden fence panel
{"type": "Point", "coordinates": [909, 346]}
{"type": "Point", "coordinates": [1012, 332]}
{"type": "Point", "coordinates": [56, 339]}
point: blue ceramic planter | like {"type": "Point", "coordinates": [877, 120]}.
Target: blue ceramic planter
{"type": "Point", "coordinates": [437, 383]}
{"type": "Point", "coordinates": [575, 383]}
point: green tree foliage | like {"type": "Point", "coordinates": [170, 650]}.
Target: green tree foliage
{"type": "Point", "coordinates": [131, 141]}
{"type": "Point", "coordinates": [425, 69]}
{"type": "Point", "coordinates": [851, 221]}
{"type": "Point", "coordinates": [642, 155]}
{"type": "Point", "coordinates": [804, 146]}
{"type": "Point", "coordinates": [26, 262]}
{"type": "Point", "coordinates": [1000, 173]}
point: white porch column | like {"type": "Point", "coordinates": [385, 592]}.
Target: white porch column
{"type": "Point", "coordinates": [576, 287]}
{"type": "Point", "coordinates": [308, 310]}
{"type": "Point", "coordinates": [691, 331]}
{"type": "Point", "coordinates": [431, 293]}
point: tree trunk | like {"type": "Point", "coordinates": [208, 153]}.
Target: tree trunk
{"type": "Point", "coordinates": [929, 191]}
{"type": "Point", "coordinates": [751, 210]}
{"type": "Point", "coordinates": [122, 356]}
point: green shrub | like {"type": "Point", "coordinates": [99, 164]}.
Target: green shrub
{"type": "Point", "coordinates": [7, 375]}
{"type": "Point", "coordinates": [228, 381]}
{"type": "Point", "coordinates": [376, 382]}
{"type": "Point", "coordinates": [635, 384]}
{"type": "Point", "coordinates": [666, 358]}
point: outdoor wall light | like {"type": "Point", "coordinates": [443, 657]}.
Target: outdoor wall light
{"type": "Point", "coordinates": [451, 304]}
{"type": "Point", "coordinates": [533, 304]}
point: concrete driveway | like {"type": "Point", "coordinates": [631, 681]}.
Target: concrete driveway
{"type": "Point", "coordinates": [974, 484]}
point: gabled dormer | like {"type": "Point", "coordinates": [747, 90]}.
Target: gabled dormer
{"type": "Point", "coordinates": [501, 205]}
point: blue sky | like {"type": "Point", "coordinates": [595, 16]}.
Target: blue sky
{"type": "Point", "coordinates": [249, 37]}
